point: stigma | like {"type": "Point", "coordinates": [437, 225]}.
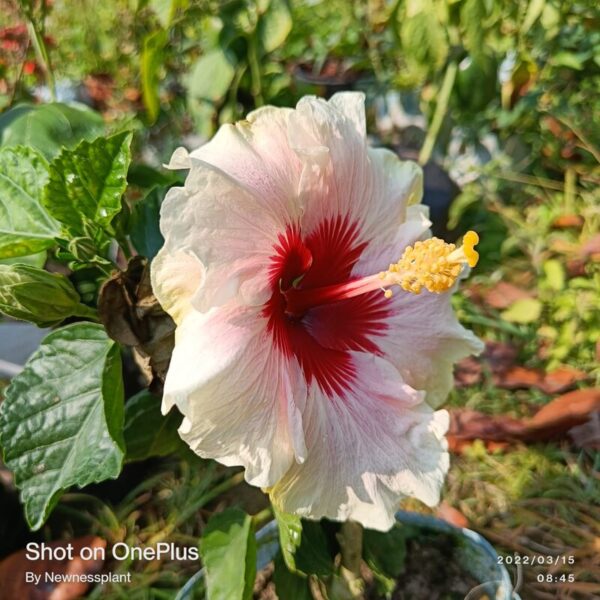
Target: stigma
{"type": "Point", "coordinates": [430, 264]}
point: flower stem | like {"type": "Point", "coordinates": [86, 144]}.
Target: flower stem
{"type": "Point", "coordinates": [440, 112]}
{"type": "Point", "coordinates": [350, 539]}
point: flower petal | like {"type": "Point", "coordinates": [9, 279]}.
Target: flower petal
{"type": "Point", "coordinates": [424, 339]}
{"type": "Point", "coordinates": [256, 153]}
{"type": "Point", "coordinates": [176, 276]}
{"type": "Point", "coordinates": [236, 394]}
{"type": "Point", "coordinates": [343, 176]}
{"type": "Point", "coordinates": [367, 451]}
{"type": "Point", "coordinates": [389, 246]}
{"type": "Point", "coordinates": [228, 229]}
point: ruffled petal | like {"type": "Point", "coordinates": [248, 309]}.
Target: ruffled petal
{"type": "Point", "coordinates": [343, 176]}
{"type": "Point", "coordinates": [329, 138]}
{"type": "Point", "coordinates": [424, 339]}
{"type": "Point", "coordinates": [176, 276]}
{"type": "Point", "coordinates": [256, 153]}
{"type": "Point", "coordinates": [229, 230]}
{"type": "Point", "coordinates": [237, 394]}
{"type": "Point", "coordinates": [367, 450]}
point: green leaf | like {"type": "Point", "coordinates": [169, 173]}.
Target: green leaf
{"type": "Point", "coordinates": [228, 550]}
{"type": "Point", "coordinates": [25, 227]}
{"type": "Point", "coordinates": [147, 432]}
{"type": "Point", "coordinates": [555, 274]}
{"type": "Point", "coordinates": [305, 546]}
{"type": "Point", "coordinates": [275, 25]}
{"type": "Point", "coordinates": [33, 260]}
{"type": "Point", "coordinates": [49, 127]}
{"type": "Point", "coordinates": [62, 417]}
{"type": "Point", "coordinates": [526, 310]}
{"type": "Point", "coordinates": [211, 76]}
{"type": "Point", "coordinates": [151, 63]}
{"type": "Point", "coordinates": [32, 294]}
{"type": "Point", "coordinates": [288, 585]}
{"type": "Point", "coordinates": [385, 553]}
{"type": "Point", "coordinates": [144, 225]}
{"type": "Point", "coordinates": [86, 184]}
{"type": "Point", "coordinates": [472, 15]}
{"type": "Point", "coordinates": [166, 10]}
{"type": "Point", "coordinates": [568, 59]}
{"type": "Point", "coordinates": [534, 11]}
{"type": "Point", "coordinates": [423, 36]}
{"type": "Point", "coordinates": [147, 177]}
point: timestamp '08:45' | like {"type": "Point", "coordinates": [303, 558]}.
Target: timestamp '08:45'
{"type": "Point", "coordinates": [549, 578]}
{"type": "Point", "coordinates": [536, 559]}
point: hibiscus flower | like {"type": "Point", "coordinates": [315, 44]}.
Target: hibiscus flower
{"type": "Point", "coordinates": [301, 353]}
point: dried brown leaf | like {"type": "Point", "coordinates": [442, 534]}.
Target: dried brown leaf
{"type": "Point", "coordinates": [568, 221]}
{"type": "Point", "coordinates": [517, 377]}
{"type": "Point", "coordinates": [451, 515]}
{"type": "Point", "coordinates": [467, 372]}
{"type": "Point", "coordinates": [565, 412]}
{"type": "Point", "coordinates": [133, 316]}
{"type": "Point", "coordinates": [561, 379]}
{"type": "Point", "coordinates": [504, 294]}
{"type": "Point", "coordinates": [500, 355]}
{"type": "Point", "coordinates": [554, 382]}
{"type": "Point", "coordinates": [560, 419]}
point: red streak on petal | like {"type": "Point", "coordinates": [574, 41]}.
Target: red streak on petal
{"type": "Point", "coordinates": [322, 337]}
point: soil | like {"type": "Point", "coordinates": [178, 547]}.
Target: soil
{"type": "Point", "coordinates": [431, 573]}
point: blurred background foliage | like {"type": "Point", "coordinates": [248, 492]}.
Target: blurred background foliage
{"type": "Point", "coordinates": [498, 99]}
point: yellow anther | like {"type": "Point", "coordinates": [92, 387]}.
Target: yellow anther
{"type": "Point", "coordinates": [432, 264]}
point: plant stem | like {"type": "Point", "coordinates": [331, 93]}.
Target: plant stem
{"type": "Point", "coordinates": [255, 69]}
{"type": "Point", "coordinates": [350, 539]}
{"type": "Point", "coordinates": [262, 517]}
{"type": "Point", "coordinates": [41, 52]}
{"type": "Point", "coordinates": [440, 112]}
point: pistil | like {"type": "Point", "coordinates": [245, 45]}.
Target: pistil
{"type": "Point", "coordinates": [431, 264]}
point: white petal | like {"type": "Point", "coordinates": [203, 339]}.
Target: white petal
{"type": "Point", "coordinates": [343, 176]}
{"type": "Point", "coordinates": [389, 246]}
{"type": "Point", "coordinates": [176, 276]}
{"type": "Point", "coordinates": [367, 451]}
{"type": "Point", "coordinates": [424, 339]}
{"type": "Point", "coordinates": [331, 142]}
{"type": "Point", "coordinates": [237, 394]}
{"type": "Point", "coordinates": [228, 229]}
{"type": "Point", "coordinates": [180, 159]}
{"type": "Point", "coordinates": [256, 153]}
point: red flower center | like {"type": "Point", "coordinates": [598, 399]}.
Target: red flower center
{"type": "Point", "coordinates": [305, 317]}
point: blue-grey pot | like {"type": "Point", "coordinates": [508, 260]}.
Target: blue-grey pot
{"type": "Point", "coordinates": [475, 554]}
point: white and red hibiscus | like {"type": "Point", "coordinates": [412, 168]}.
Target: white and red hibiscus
{"type": "Point", "coordinates": [289, 360]}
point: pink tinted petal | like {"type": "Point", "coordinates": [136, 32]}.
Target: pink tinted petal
{"type": "Point", "coordinates": [237, 397]}
{"type": "Point", "coordinates": [366, 451]}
